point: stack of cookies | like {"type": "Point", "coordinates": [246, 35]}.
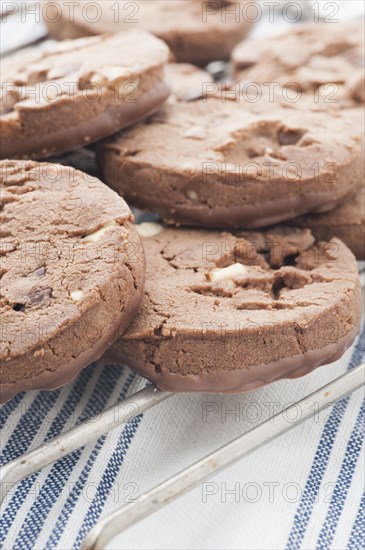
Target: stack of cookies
{"type": "Point", "coordinates": [245, 272]}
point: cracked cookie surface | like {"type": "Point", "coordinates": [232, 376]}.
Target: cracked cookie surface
{"type": "Point", "coordinates": [72, 273]}
{"type": "Point", "coordinates": [227, 312]}
{"type": "Point", "coordinates": [227, 164]}
{"type": "Point", "coordinates": [347, 222]}
{"type": "Point", "coordinates": [196, 31]}
{"type": "Point", "coordinates": [325, 60]}
{"type": "Point", "coordinates": [72, 93]}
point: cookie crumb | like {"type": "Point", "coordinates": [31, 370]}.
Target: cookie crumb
{"type": "Point", "coordinates": [149, 229]}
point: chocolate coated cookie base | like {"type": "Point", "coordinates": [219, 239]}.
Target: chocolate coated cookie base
{"type": "Point", "coordinates": [214, 164]}
{"type": "Point", "coordinates": [72, 273]}
{"type": "Point", "coordinates": [228, 312]}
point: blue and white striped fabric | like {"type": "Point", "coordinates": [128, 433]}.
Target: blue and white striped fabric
{"type": "Point", "coordinates": [304, 490]}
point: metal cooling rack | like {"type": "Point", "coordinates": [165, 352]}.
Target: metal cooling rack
{"type": "Point", "coordinates": [123, 518]}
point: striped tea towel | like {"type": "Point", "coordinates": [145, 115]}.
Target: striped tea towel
{"type": "Point", "coordinates": [303, 490]}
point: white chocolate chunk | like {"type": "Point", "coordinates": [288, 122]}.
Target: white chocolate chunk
{"type": "Point", "coordinates": [192, 195]}
{"type": "Point", "coordinates": [227, 273]}
{"type": "Point", "coordinates": [229, 283]}
{"type": "Point", "coordinates": [196, 132]}
{"type": "Point", "coordinates": [77, 295]}
{"type": "Point", "coordinates": [55, 73]}
{"type": "Point", "coordinates": [188, 166]}
{"type": "Point", "coordinates": [98, 79]}
{"type": "Point", "coordinates": [149, 229]}
{"type": "Point", "coordinates": [51, 92]}
{"type": "Point", "coordinates": [115, 73]}
{"type": "Point", "coordinates": [96, 236]}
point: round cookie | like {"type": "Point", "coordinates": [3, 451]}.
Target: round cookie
{"type": "Point", "coordinates": [75, 92]}
{"type": "Point", "coordinates": [347, 222]}
{"type": "Point", "coordinates": [229, 313]}
{"type": "Point", "coordinates": [187, 82]}
{"type": "Point", "coordinates": [227, 164]}
{"type": "Point", "coordinates": [196, 31]}
{"type": "Point", "coordinates": [324, 59]}
{"type": "Point", "coordinates": [72, 273]}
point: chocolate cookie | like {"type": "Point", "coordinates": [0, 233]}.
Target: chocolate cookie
{"type": "Point", "coordinates": [72, 273]}
{"type": "Point", "coordinates": [76, 92]}
{"type": "Point", "coordinates": [324, 59]}
{"type": "Point", "coordinates": [347, 222]}
{"type": "Point", "coordinates": [196, 31]}
{"type": "Point", "coordinates": [187, 82]}
{"type": "Point", "coordinates": [229, 313]}
{"type": "Point", "coordinates": [231, 164]}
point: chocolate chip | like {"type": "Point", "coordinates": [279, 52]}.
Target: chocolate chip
{"type": "Point", "coordinates": [39, 297]}
{"type": "Point", "coordinates": [277, 287]}
{"type": "Point", "coordinates": [289, 136]}
{"type": "Point", "coordinates": [291, 259]}
{"type": "Point", "coordinates": [194, 95]}
{"type": "Point", "coordinates": [218, 69]}
{"type": "Point", "coordinates": [266, 255]}
{"type": "Point", "coordinates": [39, 272]}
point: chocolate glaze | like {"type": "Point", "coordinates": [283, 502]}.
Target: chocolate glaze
{"type": "Point", "coordinates": [242, 380]}
{"type": "Point", "coordinates": [115, 118]}
{"type": "Point", "coordinates": [243, 215]}
{"type": "Point", "coordinates": [51, 380]}
{"type": "Point", "coordinates": [181, 189]}
{"type": "Point", "coordinates": [230, 320]}
{"type": "Point", "coordinates": [346, 222]}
